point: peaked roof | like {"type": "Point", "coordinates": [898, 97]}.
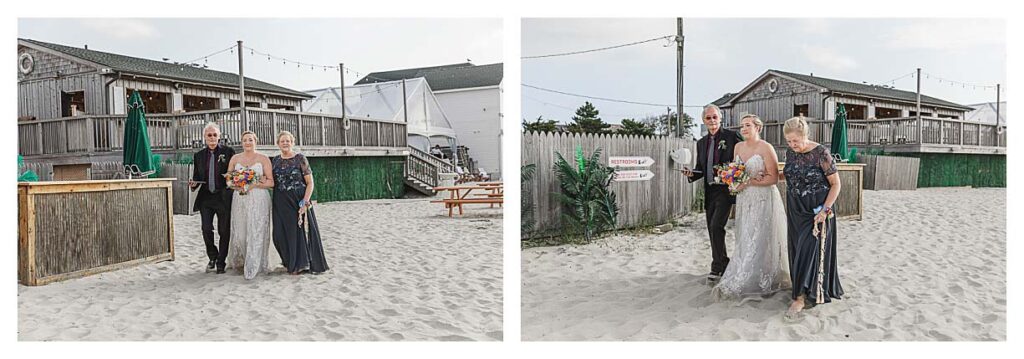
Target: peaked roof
{"type": "Point", "coordinates": [445, 77]}
{"type": "Point", "coordinates": [986, 113]}
{"type": "Point", "coordinates": [140, 66]}
{"type": "Point", "coordinates": [724, 99]}
{"type": "Point", "coordinates": [854, 88]}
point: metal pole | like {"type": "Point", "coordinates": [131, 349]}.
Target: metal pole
{"type": "Point", "coordinates": [241, 87]}
{"type": "Point", "coordinates": [405, 104]}
{"type": "Point", "coordinates": [679, 77]}
{"type": "Point", "coordinates": [341, 71]}
{"type": "Point", "coordinates": [998, 86]}
{"type": "Point", "coordinates": [920, 129]}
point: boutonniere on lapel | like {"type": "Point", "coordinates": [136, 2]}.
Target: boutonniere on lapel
{"type": "Point", "coordinates": [721, 144]}
{"type": "Point", "coordinates": [220, 158]}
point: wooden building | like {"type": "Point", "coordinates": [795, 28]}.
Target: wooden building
{"type": "Point", "coordinates": [72, 109]}
{"type": "Point", "coordinates": [879, 119]}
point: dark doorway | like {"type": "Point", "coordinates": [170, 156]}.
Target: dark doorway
{"type": "Point", "coordinates": [72, 103]}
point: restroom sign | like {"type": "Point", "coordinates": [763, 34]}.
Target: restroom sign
{"type": "Point", "coordinates": [629, 161]}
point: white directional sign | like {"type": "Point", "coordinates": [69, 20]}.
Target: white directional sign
{"type": "Point", "coordinates": [633, 175]}
{"type": "Point", "coordinates": [629, 161]}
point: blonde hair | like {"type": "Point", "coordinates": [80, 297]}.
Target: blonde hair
{"type": "Point", "coordinates": [247, 132]}
{"type": "Point", "coordinates": [757, 120]}
{"type": "Point", "coordinates": [285, 133]}
{"type": "Point", "coordinates": [796, 125]}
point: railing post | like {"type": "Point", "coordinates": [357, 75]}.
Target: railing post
{"type": "Point", "coordinates": [378, 135]}
{"type": "Point", "coordinates": [39, 138]}
{"type": "Point", "coordinates": [90, 128]}
{"type": "Point", "coordinates": [323, 131]}
{"type": "Point", "coordinates": [298, 124]}
{"type": "Point", "coordinates": [979, 135]}
{"type": "Point", "coordinates": [273, 125]}
{"type": "Point", "coordinates": [961, 133]}
{"type": "Point", "coordinates": [942, 132]}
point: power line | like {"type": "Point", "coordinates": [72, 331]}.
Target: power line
{"type": "Point", "coordinates": [599, 49]}
{"type": "Point", "coordinates": [605, 98]}
{"type": "Point", "coordinates": [210, 55]}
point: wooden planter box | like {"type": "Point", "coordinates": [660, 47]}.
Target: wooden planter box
{"type": "Point", "coordinates": [80, 228]}
{"type": "Point", "coordinates": [850, 204]}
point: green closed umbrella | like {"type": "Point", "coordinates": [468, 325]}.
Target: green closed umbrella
{"type": "Point", "coordinates": [839, 133]}
{"type": "Point", "coordinates": [138, 158]}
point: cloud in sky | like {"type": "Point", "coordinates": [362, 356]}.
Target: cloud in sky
{"type": "Point", "coordinates": [829, 58]}
{"type": "Point", "coordinates": [949, 34]}
{"type": "Point", "coordinates": [123, 29]}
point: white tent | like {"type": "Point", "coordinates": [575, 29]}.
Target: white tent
{"type": "Point", "coordinates": [427, 123]}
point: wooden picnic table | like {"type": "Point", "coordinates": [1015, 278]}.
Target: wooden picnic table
{"type": "Point", "coordinates": [460, 195]}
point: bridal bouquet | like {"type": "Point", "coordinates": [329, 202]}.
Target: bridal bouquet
{"type": "Point", "coordinates": [242, 180]}
{"type": "Point", "coordinates": [732, 174]}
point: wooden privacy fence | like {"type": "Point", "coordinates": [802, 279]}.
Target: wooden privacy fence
{"type": "Point", "coordinates": [850, 203]}
{"type": "Point", "coordinates": [890, 172]}
{"type": "Point", "coordinates": [75, 229]}
{"type": "Point", "coordinates": [666, 196]}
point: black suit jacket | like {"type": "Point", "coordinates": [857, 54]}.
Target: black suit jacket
{"type": "Point", "coordinates": [725, 155]}
{"type": "Point", "coordinates": [200, 169]}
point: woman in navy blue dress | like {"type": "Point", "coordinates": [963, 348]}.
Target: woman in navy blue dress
{"type": "Point", "coordinates": [812, 186]}
{"type": "Point", "coordinates": [296, 234]}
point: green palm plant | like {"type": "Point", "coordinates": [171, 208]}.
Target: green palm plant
{"type": "Point", "coordinates": [526, 219]}
{"type": "Point", "coordinates": [589, 205]}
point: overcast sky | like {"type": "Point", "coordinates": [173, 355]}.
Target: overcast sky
{"type": "Point", "coordinates": [724, 55]}
{"type": "Point", "coordinates": [364, 45]}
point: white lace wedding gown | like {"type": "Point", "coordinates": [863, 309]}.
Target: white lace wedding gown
{"type": "Point", "coordinates": [250, 229]}
{"type": "Point", "coordinates": [759, 265]}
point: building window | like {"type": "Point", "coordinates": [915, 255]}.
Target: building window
{"type": "Point", "coordinates": [156, 102]}
{"type": "Point", "coordinates": [882, 112]}
{"type": "Point", "coordinates": [199, 103]}
{"type": "Point", "coordinates": [856, 112]}
{"type": "Point", "coordinates": [801, 110]}
{"type": "Point", "coordinates": [234, 104]}
{"type": "Point", "coordinates": [923, 114]}
{"type": "Point", "coordinates": [72, 103]}
{"type": "Point", "coordinates": [281, 107]}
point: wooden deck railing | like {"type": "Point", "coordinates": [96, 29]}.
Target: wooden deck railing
{"type": "Point", "coordinates": [105, 133]}
{"type": "Point", "coordinates": [426, 168]}
{"type": "Point", "coordinates": [903, 130]}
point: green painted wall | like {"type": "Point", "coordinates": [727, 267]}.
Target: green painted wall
{"type": "Point", "coordinates": [357, 178]}
{"type": "Point", "coordinates": [952, 170]}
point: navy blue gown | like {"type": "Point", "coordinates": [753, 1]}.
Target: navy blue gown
{"type": "Point", "coordinates": [807, 187]}
{"type": "Point", "coordinates": [299, 250]}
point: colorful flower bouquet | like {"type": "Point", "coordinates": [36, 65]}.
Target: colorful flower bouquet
{"type": "Point", "coordinates": [732, 174]}
{"type": "Point", "coordinates": [242, 180]}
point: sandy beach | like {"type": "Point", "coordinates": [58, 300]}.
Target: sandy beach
{"type": "Point", "coordinates": [400, 270]}
{"type": "Point", "coordinates": [923, 265]}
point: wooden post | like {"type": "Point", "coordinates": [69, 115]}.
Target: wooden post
{"type": "Point", "coordinates": [920, 127]}
{"type": "Point", "coordinates": [39, 138]}
{"type": "Point", "coordinates": [90, 127]}
{"type": "Point", "coordinates": [942, 132]}
{"type": "Point", "coordinates": [679, 77]}
{"type": "Point", "coordinates": [298, 123]}
{"type": "Point", "coordinates": [241, 88]}
{"type": "Point", "coordinates": [962, 132]}
{"type": "Point", "coordinates": [341, 73]}
{"type": "Point", "coordinates": [273, 123]}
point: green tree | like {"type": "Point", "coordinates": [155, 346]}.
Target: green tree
{"type": "Point", "coordinates": [661, 123]}
{"type": "Point", "coordinates": [586, 120]}
{"type": "Point", "coordinates": [636, 128]}
{"type": "Point", "coordinates": [540, 125]}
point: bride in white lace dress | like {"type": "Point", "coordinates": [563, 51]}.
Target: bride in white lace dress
{"type": "Point", "coordinates": [250, 212]}
{"type": "Point", "coordinates": [759, 265]}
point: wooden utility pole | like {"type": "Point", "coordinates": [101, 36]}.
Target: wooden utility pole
{"type": "Point", "coordinates": [920, 129]}
{"type": "Point", "coordinates": [341, 72]}
{"type": "Point", "coordinates": [241, 87]}
{"type": "Point", "coordinates": [998, 86]}
{"type": "Point", "coordinates": [679, 77]}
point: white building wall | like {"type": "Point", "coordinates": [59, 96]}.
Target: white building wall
{"type": "Point", "coordinates": [476, 116]}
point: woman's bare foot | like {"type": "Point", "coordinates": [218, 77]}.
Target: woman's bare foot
{"type": "Point", "coordinates": [795, 308]}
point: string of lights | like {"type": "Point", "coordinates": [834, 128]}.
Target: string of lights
{"type": "Point", "coordinates": [605, 98]}
{"type": "Point", "coordinates": [962, 84]}
{"type": "Point", "coordinates": [598, 49]}
{"type": "Point", "coordinates": [207, 57]}
{"type": "Point", "coordinates": [312, 66]}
